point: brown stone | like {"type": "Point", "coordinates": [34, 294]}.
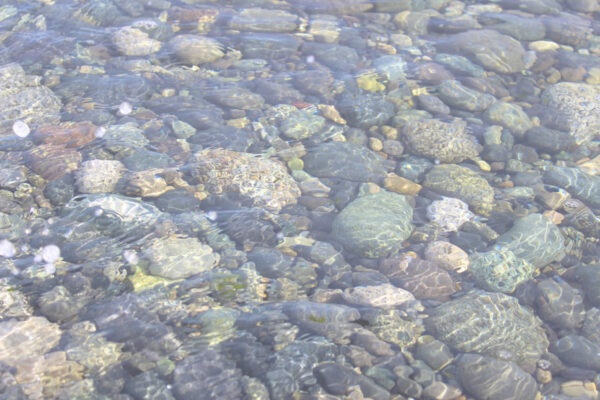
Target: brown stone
{"type": "Point", "coordinates": [554, 216]}
{"type": "Point", "coordinates": [398, 184]}
{"type": "Point", "coordinates": [52, 162]}
{"type": "Point", "coordinates": [69, 134]}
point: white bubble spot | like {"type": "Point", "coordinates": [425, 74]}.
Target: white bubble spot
{"type": "Point", "coordinates": [100, 132]}
{"type": "Point", "coordinates": [125, 108]}
{"type": "Point", "coordinates": [50, 268]}
{"type": "Point", "coordinates": [130, 256]}
{"type": "Point", "coordinates": [211, 215]}
{"type": "Point", "coordinates": [7, 249]}
{"type": "Point", "coordinates": [50, 253]}
{"type": "Point", "coordinates": [21, 129]}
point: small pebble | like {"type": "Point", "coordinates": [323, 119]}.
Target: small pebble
{"type": "Point", "coordinates": [21, 129]}
{"type": "Point", "coordinates": [375, 144]}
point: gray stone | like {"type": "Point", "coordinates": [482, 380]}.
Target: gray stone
{"type": "Point", "coordinates": [491, 379]}
{"type": "Point", "coordinates": [500, 270]}
{"type": "Point", "coordinates": [510, 116]}
{"type": "Point", "coordinates": [264, 20]}
{"type": "Point", "coordinates": [492, 324]}
{"type": "Point", "coordinates": [519, 27]}
{"type": "Point", "coordinates": [195, 49]}
{"type": "Point", "coordinates": [22, 97]}
{"type": "Point", "coordinates": [578, 351]}
{"type": "Point", "coordinates": [491, 49]}
{"type": "Point", "coordinates": [301, 124]}
{"type": "Point", "coordinates": [559, 304]}
{"type": "Point", "coordinates": [459, 96]}
{"type": "Point", "coordinates": [338, 379]}
{"type": "Point", "coordinates": [534, 238]}
{"type": "Point", "coordinates": [346, 161]}
{"type": "Point", "coordinates": [176, 258]}
{"type": "Point", "coordinates": [579, 184]}
{"type": "Point", "coordinates": [374, 225]}
{"type": "Point", "coordinates": [365, 110]}
{"type": "Point", "coordinates": [575, 108]}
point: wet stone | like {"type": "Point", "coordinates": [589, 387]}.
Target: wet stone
{"type": "Point", "coordinates": [69, 134]}
{"type": "Point", "coordinates": [447, 255]}
{"type": "Point", "coordinates": [433, 352]}
{"type": "Point", "coordinates": [249, 228]}
{"type": "Point", "coordinates": [510, 116]}
{"type": "Point", "coordinates": [266, 182]}
{"type": "Point", "coordinates": [98, 176]}
{"type": "Point", "coordinates": [489, 378]}
{"type": "Point", "coordinates": [519, 27]}
{"type": "Point", "coordinates": [195, 49]}
{"type": "Point", "coordinates": [225, 137]}
{"type": "Point", "coordinates": [148, 385]}
{"type": "Point", "coordinates": [374, 225]}
{"type": "Point", "coordinates": [589, 277]}
{"type": "Point", "coordinates": [549, 140]}
{"type": "Point", "coordinates": [301, 124]}
{"type": "Point", "coordinates": [535, 239]}
{"type": "Point", "coordinates": [578, 351]}
{"type": "Point", "coordinates": [268, 46]}
{"type": "Point", "coordinates": [131, 41]}
{"type": "Point", "coordinates": [573, 107]}
{"type": "Point", "coordinates": [456, 95]}
{"type": "Point", "coordinates": [591, 325]}
{"type": "Point", "coordinates": [559, 304]}
{"type": "Point", "coordinates": [449, 213]}
{"type": "Point", "coordinates": [384, 295]}
{"type": "Point", "coordinates": [337, 379]}
{"type": "Point", "coordinates": [314, 82]}
{"type": "Point", "coordinates": [236, 97]}
{"type": "Point", "coordinates": [492, 324]}
{"type": "Point", "coordinates": [31, 338]}
{"type": "Point", "coordinates": [208, 374]}
{"type": "Point", "coordinates": [346, 161]}
{"type": "Point", "coordinates": [424, 279]}
{"type": "Point", "coordinates": [264, 20]}
{"type": "Point", "coordinates": [579, 184]}
{"type": "Point", "coordinates": [456, 181]}
{"type": "Point", "coordinates": [335, 56]}
{"type": "Point", "coordinates": [493, 50]}
{"type": "Point", "coordinates": [565, 28]}
{"type": "Point", "coordinates": [307, 312]}
{"type": "Point", "coordinates": [500, 270]}
{"type": "Point", "coordinates": [414, 168]}
{"type": "Point", "coordinates": [52, 162]}
{"type": "Point", "coordinates": [365, 110]}
{"type": "Point", "coordinates": [446, 142]}
{"type": "Point", "coordinates": [177, 201]}
{"type": "Point", "coordinates": [176, 258]}
{"type": "Point", "coordinates": [433, 104]}
{"type": "Point", "coordinates": [392, 326]}
{"type": "Point", "coordinates": [58, 304]}
{"type": "Point", "coordinates": [22, 97]}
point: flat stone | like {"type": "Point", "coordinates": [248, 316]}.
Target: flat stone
{"type": "Point", "coordinates": [374, 225]}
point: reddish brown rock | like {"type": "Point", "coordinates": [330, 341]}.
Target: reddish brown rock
{"type": "Point", "coordinates": [52, 162]}
{"type": "Point", "coordinates": [69, 134]}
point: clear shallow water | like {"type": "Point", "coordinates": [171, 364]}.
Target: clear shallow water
{"type": "Point", "coordinates": [299, 199]}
